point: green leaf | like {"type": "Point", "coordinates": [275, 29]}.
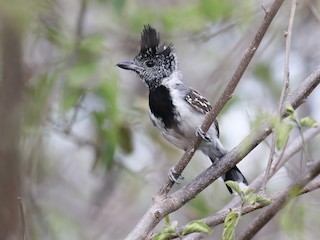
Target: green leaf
{"type": "Point", "coordinates": [230, 224]}
{"type": "Point", "coordinates": [196, 226]}
{"type": "Point", "coordinates": [172, 228]}
{"type": "Point", "coordinates": [290, 110]}
{"type": "Point", "coordinates": [235, 186]}
{"type": "Point", "coordinates": [308, 122]}
{"type": "Point", "coordinates": [250, 198]}
{"type": "Point", "coordinates": [263, 200]}
{"type": "Point", "coordinates": [169, 230]}
{"type": "Point", "coordinates": [282, 131]}
{"type": "Point", "coordinates": [162, 236]}
{"type": "Point", "coordinates": [255, 198]}
{"type": "Point", "coordinates": [167, 219]}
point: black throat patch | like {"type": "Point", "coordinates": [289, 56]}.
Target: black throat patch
{"type": "Point", "coordinates": [161, 106]}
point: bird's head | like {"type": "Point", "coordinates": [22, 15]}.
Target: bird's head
{"type": "Point", "coordinates": [154, 62]}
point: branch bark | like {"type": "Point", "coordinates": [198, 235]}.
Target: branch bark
{"type": "Point", "coordinates": [11, 99]}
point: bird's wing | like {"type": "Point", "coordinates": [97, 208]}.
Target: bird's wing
{"type": "Point", "coordinates": [201, 104]}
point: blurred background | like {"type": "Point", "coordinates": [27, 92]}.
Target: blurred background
{"type": "Point", "coordinates": [91, 159]}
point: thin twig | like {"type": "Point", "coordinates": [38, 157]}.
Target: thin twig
{"type": "Point", "coordinates": [23, 222]}
{"type": "Point", "coordinates": [285, 89]}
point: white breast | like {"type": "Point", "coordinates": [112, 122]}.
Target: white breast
{"type": "Point", "coordinates": [189, 119]}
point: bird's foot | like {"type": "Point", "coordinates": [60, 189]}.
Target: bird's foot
{"type": "Point", "coordinates": [172, 174]}
{"type": "Point", "coordinates": [203, 135]}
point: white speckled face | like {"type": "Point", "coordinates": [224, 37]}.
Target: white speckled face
{"type": "Point", "coordinates": [154, 68]}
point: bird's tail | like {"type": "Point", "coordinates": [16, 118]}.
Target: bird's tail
{"type": "Point", "coordinates": [234, 174]}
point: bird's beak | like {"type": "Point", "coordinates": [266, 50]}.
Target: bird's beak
{"type": "Point", "coordinates": [129, 65]}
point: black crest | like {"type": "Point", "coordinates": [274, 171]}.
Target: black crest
{"type": "Point", "coordinates": [150, 40]}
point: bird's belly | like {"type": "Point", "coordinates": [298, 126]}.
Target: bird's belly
{"type": "Point", "coordinates": [186, 123]}
{"type": "Point", "coordinates": [184, 132]}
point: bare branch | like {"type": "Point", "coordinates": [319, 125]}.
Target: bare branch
{"type": "Point", "coordinates": [312, 171]}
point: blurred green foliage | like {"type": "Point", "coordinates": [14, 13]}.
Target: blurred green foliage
{"type": "Point", "coordinates": [108, 121]}
{"type": "Point", "coordinates": [20, 12]}
{"type": "Point", "coordinates": [169, 230]}
{"type": "Point", "coordinates": [215, 9]}
{"type": "Point", "coordinates": [37, 95]}
{"type": "Point", "coordinates": [192, 15]}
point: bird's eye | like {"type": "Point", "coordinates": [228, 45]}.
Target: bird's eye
{"type": "Point", "coordinates": [150, 63]}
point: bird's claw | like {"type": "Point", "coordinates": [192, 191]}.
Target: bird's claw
{"type": "Point", "coordinates": [172, 175]}
{"type": "Point", "coordinates": [203, 135]}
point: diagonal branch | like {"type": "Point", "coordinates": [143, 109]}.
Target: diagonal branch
{"type": "Point", "coordinates": [226, 95]}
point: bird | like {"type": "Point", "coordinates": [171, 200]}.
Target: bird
{"type": "Point", "coordinates": [176, 109]}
